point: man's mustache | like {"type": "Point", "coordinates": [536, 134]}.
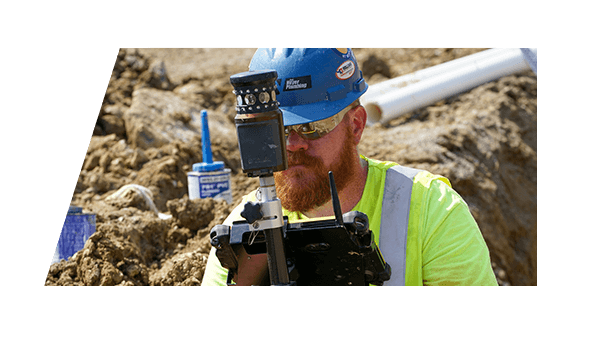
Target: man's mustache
{"type": "Point", "coordinates": [301, 158]}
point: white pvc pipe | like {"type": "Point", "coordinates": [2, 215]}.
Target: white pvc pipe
{"type": "Point", "coordinates": [417, 76]}
{"type": "Point", "coordinates": [530, 54]}
{"type": "Point", "coordinates": [430, 86]}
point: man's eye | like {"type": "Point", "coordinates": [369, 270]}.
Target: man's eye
{"type": "Point", "coordinates": [306, 129]}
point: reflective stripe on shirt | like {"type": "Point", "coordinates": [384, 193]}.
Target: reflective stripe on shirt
{"type": "Point", "coordinates": [394, 221]}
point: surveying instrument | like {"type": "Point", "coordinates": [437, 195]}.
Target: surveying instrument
{"type": "Point", "coordinates": [339, 251]}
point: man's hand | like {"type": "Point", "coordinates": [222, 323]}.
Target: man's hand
{"type": "Point", "coordinates": [252, 270]}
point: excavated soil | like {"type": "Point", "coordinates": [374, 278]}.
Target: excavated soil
{"type": "Point", "coordinates": [148, 133]}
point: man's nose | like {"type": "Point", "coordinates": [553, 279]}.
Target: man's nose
{"type": "Point", "coordinates": [295, 142]}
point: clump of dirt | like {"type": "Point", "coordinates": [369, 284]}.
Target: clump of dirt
{"type": "Point", "coordinates": [131, 71]}
{"type": "Point", "coordinates": [483, 140]}
{"type": "Point", "coordinates": [134, 247]}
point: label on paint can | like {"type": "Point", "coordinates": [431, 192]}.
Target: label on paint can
{"type": "Point", "coordinates": [215, 184]}
{"type": "Point", "coordinates": [76, 230]}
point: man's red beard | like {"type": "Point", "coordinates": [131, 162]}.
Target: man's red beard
{"type": "Point", "coordinates": [305, 188]}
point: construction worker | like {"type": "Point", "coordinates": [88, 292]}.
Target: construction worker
{"type": "Point", "coordinates": [423, 228]}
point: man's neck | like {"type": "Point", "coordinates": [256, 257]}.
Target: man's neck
{"type": "Point", "coordinates": [349, 196]}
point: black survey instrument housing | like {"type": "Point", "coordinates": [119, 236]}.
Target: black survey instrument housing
{"type": "Point", "coordinates": [259, 123]}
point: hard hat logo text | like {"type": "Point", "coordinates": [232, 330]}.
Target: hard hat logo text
{"type": "Point", "coordinates": [345, 70]}
{"type": "Point", "coordinates": [298, 83]}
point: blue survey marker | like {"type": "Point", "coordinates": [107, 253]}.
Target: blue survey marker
{"type": "Point", "coordinates": [209, 178]}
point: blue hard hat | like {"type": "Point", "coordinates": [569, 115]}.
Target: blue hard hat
{"type": "Point", "coordinates": [313, 83]}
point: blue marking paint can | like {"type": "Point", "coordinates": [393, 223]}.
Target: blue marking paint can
{"type": "Point", "coordinates": [76, 230]}
{"type": "Point", "coordinates": [209, 179]}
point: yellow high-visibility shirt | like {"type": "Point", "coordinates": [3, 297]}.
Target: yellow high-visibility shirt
{"type": "Point", "coordinates": [444, 243]}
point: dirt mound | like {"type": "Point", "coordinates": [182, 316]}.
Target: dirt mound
{"type": "Point", "coordinates": [147, 135]}
{"type": "Point", "coordinates": [132, 246]}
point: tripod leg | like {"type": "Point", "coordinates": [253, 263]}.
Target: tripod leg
{"type": "Point", "coordinates": [277, 267]}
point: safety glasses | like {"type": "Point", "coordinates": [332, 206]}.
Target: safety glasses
{"type": "Point", "coordinates": [320, 128]}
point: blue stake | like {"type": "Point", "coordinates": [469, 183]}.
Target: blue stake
{"type": "Point", "coordinates": [207, 155]}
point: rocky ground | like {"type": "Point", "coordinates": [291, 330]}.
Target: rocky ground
{"type": "Point", "coordinates": [148, 133]}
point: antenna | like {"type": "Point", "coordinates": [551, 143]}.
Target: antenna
{"type": "Point", "coordinates": [337, 209]}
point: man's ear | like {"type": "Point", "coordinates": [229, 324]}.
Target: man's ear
{"type": "Point", "coordinates": [358, 123]}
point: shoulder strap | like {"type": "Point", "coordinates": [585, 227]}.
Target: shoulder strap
{"type": "Point", "coordinates": [394, 220]}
